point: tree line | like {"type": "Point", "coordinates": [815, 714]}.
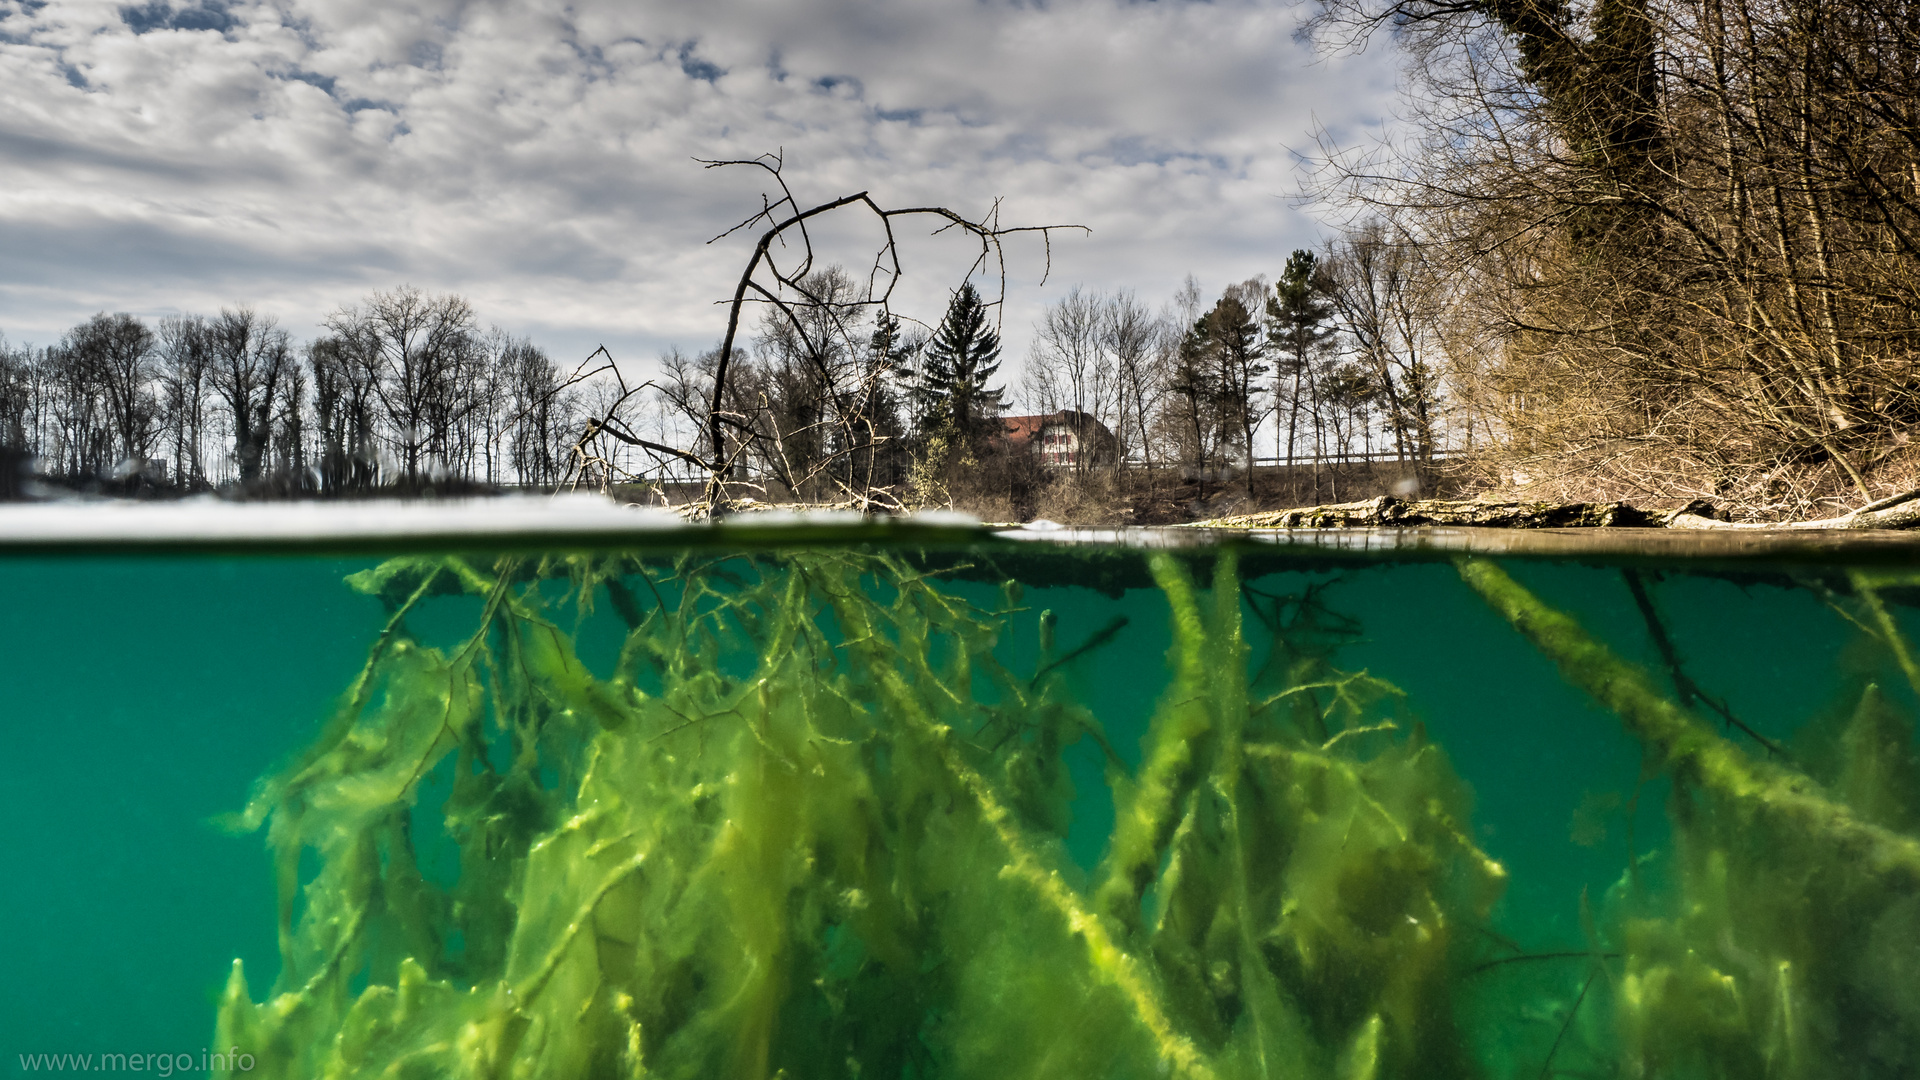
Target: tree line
{"type": "Point", "coordinates": [404, 391]}
{"type": "Point", "coordinates": [1315, 361]}
{"type": "Point", "coordinates": [837, 398]}
{"type": "Point", "coordinates": [834, 399]}
{"type": "Point", "coordinates": [818, 390]}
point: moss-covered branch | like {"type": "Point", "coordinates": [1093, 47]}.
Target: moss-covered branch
{"type": "Point", "coordinates": [1681, 740]}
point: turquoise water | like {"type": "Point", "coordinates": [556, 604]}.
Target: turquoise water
{"type": "Point", "coordinates": [143, 696]}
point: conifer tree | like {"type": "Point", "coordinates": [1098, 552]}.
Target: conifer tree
{"type": "Point", "coordinates": [1217, 376]}
{"type": "Point", "coordinates": [961, 357]}
{"type": "Point", "coordinates": [889, 366]}
{"type": "Point", "coordinates": [1194, 383]}
{"type": "Point", "coordinates": [1299, 322]}
{"type": "Point", "coordinates": [1238, 354]}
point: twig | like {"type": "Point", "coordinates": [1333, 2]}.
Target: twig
{"type": "Point", "coordinates": [1683, 684]}
{"type": "Point", "coordinates": [1525, 957]}
{"type": "Point", "coordinates": [1094, 641]}
{"type": "Point", "coordinates": [1547, 1065]}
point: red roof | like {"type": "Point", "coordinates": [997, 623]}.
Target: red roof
{"type": "Point", "coordinates": [1022, 429]}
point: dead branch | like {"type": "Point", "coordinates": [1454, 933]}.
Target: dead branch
{"type": "Point", "coordinates": [764, 280]}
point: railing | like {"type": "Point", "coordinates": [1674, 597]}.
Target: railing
{"type": "Point", "coordinates": [1347, 459]}
{"type": "Point", "coordinates": [678, 473]}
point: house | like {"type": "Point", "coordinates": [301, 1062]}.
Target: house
{"type": "Point", "coordinates": [1063, 440]}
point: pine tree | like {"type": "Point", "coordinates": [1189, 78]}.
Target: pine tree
{"type": "Point", "coordinates": [961, 357]}
{"type": "Point", "coordinates": [1237, 353]}
{"type": "Point", "coordinates": [1194, 383]}
{"type": "Point", "coordinates": [1217, 375]}
{"type": "Point", "coordinates": [1299, 325]}
{"type": "Point", "coordinates": [888, 365]}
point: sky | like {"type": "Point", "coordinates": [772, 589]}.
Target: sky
{"type": "Point", "coordinates": [539, 157]}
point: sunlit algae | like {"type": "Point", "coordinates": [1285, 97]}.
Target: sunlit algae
{"type": "Point", "coordinates": [812, 827]}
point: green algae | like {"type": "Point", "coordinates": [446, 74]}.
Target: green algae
{"type": "Point", "coordinates": [1789, 944]}
{"type": "Point", "coordinates": [812, 823]}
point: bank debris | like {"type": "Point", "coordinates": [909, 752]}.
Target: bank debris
{"type": "Point", "coordinates": [1895, 512]}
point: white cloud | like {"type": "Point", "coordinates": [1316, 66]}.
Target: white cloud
{"type": "Point", "coordinates": [537, 156]}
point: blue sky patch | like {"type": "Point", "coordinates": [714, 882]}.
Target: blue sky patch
{"type": "Point", "coordinates": [160, 15]}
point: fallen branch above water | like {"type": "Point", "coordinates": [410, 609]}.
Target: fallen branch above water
{"type": "Point", "coordinates": [1389, 512]}
{"type": "Point", "coordinates": [1896, 512]}
{"type": "Point", "coordinates": [1900, 511]}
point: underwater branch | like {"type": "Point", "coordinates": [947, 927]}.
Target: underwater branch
{"type": "Point", "coordinates": [1690, 747]}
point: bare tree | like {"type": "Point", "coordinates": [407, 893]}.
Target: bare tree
{"type": "Point", "coordinates": [345, 408]}
{"type": "Point", "coordinates": [774, 281]}
{"type": "Point", "coordinates": [81, 443]}
{"type": "Point", "coordinates": [402, 379]}
{"type": "Point", "coordinates": [1140, 344]}
{"type": "Point", "coordinates": [1344, 410]}
{"type": "Point", "coordinates": [419, 352]}
{"type": "Point", "coordinates": [290, 469]}
{"type": "Point", "coordinates": [18, 424]}
{"type": "Point", "coordinates": [812, 366]}
{"type": "Point", "coordinates": [1072, 366]}
{"type": "Point", "coordinates": [608, 432]}
{"type": "Point", "coordinates": [1375, 284]}
{"type": "Point", "coordinates": [186, 367]}
{"type": "Point", "coordinates": [19, 417]}
{"type": "Point", "coordinates": [117, 352]}
{"type": "Point", "coordinates": [538, 410]}
{"type": "Point", "coordinates": [251, 361]}
{"type": "Point", "coordinates": [685, 393]}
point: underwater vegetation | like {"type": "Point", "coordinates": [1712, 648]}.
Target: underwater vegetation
{"type": "Point", "coordinates": [813, 823]}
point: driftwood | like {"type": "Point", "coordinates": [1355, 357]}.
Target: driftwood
{"type": "Point", "coordinates": [1897, 512]}
{"type": "Point", "coordinates": [1389, 512]}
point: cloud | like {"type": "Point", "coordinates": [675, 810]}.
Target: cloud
{"type": "Point", "coordinates": [538, 156]}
